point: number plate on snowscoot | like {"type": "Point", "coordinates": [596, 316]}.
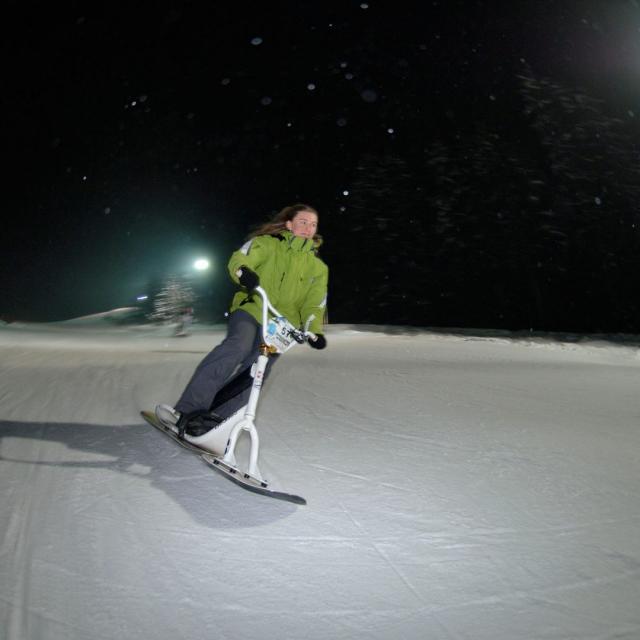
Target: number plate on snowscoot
{"type": "Point", "coordinates": [280, 334]}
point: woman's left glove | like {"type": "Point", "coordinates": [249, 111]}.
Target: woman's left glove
{"type": "Point", "coordinates": [248, 279]}
{"type": "Point", "coordinates": [319, 343]}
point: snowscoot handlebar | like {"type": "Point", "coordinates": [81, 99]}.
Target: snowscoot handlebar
{"type": "Point", "coordinates": [299, 335]}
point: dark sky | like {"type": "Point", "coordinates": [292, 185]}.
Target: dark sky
{"type": "Point", "coordinates": [139, 136]}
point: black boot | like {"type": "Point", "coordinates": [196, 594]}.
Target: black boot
{"type": "Point", "coordinates": [197, 423]}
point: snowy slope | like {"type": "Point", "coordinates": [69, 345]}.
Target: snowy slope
{"type": "Point", "coordinates": [457, 488]}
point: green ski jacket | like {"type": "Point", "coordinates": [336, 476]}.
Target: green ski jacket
{"type": "Point", "coordinates": [294, 278]}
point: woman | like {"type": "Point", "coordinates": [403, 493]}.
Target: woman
{"type": "Point", "coordinates": [281, 257]}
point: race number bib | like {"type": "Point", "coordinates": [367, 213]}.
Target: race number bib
{"type": "Point", "coordinates": [279, 334]}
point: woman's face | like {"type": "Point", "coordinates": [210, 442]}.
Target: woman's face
{"type": "Point", "coordinates": [304, 224]}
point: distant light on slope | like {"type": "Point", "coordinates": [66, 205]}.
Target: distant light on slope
{"type": "Point", "coordinates": [201, 264]}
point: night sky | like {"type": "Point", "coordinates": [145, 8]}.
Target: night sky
{"type": "Point", "coordinates": [474, 163]}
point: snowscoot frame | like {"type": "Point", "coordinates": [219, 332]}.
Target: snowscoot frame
{"type": "Point", "coordinates": [278, 336]}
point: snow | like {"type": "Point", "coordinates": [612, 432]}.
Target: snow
{"type": "Point", "coordinates": [458, 488]}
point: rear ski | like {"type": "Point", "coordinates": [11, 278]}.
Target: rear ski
{"type": "Point", "coordinates": [241, 478]}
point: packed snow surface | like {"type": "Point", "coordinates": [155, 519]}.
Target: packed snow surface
{"type": "Point", "coordinates": [458, 488]}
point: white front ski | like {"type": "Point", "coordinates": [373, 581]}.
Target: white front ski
{"type": "Point", "coordinates": [246, 481]}
{"type": "Point", "coordinates": [241, 478]}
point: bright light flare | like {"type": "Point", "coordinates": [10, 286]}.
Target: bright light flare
{"type": "Point", "coordinates": [201, 264]}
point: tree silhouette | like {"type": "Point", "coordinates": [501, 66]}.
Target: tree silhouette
{"type": "Point", "coordinates": [175, 295]}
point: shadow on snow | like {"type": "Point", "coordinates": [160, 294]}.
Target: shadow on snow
{"type": "Point", "coordinates": [207, 497]}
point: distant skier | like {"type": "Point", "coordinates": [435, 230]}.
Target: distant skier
{"type": "Point", "coordinates": [184, 322]}
{"type": "Point", "coordinates": [281, 256]}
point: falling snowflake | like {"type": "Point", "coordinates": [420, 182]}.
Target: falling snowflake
{"type": "Point", "coordinates": [369, 95]}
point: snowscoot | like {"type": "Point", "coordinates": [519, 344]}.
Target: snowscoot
{"type": "Point", "coordinates": [218, 445]}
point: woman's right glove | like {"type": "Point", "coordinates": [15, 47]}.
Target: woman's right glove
{"type": "Point", "coordinates": [319, 343]}
{"type": "Point", "coordinates": [248, 279]}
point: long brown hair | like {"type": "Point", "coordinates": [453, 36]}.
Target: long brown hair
{"type": "Point", "coordinates": [279, 222]}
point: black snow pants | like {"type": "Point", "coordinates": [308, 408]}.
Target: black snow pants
{"type": "Point", "coordinates": [229, 360]}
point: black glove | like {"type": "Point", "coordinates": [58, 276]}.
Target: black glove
{"type": "Point", "coordinates": [248, 279]}
{"type": "Point", "coordinates": [319, 343]}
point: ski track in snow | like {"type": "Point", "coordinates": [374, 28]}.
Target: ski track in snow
{"type": "Point", "coordinates": [457, 488]}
